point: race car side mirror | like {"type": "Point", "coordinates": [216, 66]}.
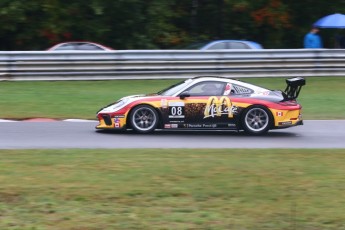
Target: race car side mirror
{"type": "Point", "coordinates": [184, 94]}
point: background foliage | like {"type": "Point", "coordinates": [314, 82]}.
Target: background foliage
{"type": "Point", "coordinates": [160, 24]}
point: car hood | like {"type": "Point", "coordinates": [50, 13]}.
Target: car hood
{"type": "Point", "coordinates": [123, 102]}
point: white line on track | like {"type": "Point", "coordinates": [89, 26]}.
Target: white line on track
{"type": "Point", "coordinates": [79, 120]}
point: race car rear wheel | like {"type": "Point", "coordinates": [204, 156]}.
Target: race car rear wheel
{"type": "Point", "coordinates": [256, 120]}
{"type": "Point", "coordinates": [144, 119]}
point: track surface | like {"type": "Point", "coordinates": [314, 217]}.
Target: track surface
{"type": "Point", "coordinates": [67, 134]}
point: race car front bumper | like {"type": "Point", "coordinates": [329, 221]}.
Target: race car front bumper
{"type": "Point", "coordinates": [107, 121]}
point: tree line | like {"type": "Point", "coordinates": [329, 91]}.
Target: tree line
{"type": "Point", "coordinates": [160, 24]}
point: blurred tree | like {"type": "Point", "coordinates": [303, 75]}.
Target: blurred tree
{"type": "Point", "coordinates": [273, 19]}
{"type": "Point", "coordinates": [17, 19]}
{"type": "Point", "coordinates": [143, 25]}
{"type": "Point", "coordinates": [156, 24]}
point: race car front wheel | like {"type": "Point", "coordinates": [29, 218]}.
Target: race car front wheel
{"type": "Point", "coordinates": [256, 120]}
{"type": "Point", "coordinates": [144, 119]}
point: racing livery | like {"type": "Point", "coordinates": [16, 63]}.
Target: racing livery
{"type": "Point", "coordinates": [210, 103]}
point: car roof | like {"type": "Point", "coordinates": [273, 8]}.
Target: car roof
{"type": "Point", "coordinates": [214, 78]}
{"type": "Point", "coordinates": [223, 79]}
{"type": "Point", "coordinates": [79, 42]}
{"type": "Point", "coordinates": [204, 45]}
{"type": "Point", "coordinates": [252, 44]}
{"type": "Point", "coordinates": [207, 78]}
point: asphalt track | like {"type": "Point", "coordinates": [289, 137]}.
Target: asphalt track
{"type": "Point", "coordinates": [69, 134]}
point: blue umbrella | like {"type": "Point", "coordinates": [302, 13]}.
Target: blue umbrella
{"type": "Point", "coordinates": [331, 21]}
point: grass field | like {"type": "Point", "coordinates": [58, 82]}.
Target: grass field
{"type": "Point", "coordinates": [152, 189]}
{"type": "Point", "coordinates": [172, 189]}
{"type": "Point", "coordinates": [322, 97]}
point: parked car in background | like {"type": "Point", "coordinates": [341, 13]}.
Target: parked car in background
{"type": "Point", "coordinates": [79, 46]}
{"type": "Point", "coordinates": [224, 44]}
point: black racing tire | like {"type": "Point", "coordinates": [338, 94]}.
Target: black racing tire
{"type": "Point", "coordinates": [256, 120]}
{"type": "Point", "coordinates": [143, 119]}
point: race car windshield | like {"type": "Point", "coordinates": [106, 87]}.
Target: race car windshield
{"type": "Point", "coordinates": [174, 88]}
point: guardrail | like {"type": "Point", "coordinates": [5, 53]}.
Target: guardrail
{"type": "Point", "coordinates": [160, 64]}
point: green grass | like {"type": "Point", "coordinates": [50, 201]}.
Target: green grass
{"type": "Point", "coordinates": [322, 97]}
{"type": "Point", "coordinates": [172, 189]}
{"type": "Point", "coordinates": [162, 188]}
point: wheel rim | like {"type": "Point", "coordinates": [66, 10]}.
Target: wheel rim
{"type": "Point", "coordinates": [256, 119]}
{"type": "Point", "coordinates": [144, 119]}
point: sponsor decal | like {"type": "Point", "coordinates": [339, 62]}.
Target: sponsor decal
{"type": "Point", "coordinates": [117, 122]}
{"type": "Point", "coordinates": [218, 107]}
{"type": "Point", "coordinates": [176, 121]}
{"type": "Point", "coordinates": [192, 125]}
{"type": "Point", "coordinates": [170, 126]}
{"type": "Point", "coordinates": [164, 103]}
{"type": "Point", "coordinates": [176, 103]}
{"type": "Point", "coordinates": [119, 116]}
{"type": "Point", "coordinates": [227, 90]}
{"type": "Point", "coordinates": [279, 114]}
{"type": "Point", "coordinates": [266, 93]}
{"type": "Point", "coordinates": [209, 126]}
{"type": "Point", "coordinates": [200, 126]}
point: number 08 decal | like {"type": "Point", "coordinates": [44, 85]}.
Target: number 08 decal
{"type": "Point", "coordinates": [176, 110]}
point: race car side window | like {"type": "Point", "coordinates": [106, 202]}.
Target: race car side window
{"type": "Point", "coordinates": [238, 89]}
{"type": "Point", "coordinates": [209, 88]}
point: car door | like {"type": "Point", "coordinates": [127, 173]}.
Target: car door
{"type": "Point", "coordinates": [208, 106]}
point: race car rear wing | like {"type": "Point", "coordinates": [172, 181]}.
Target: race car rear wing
{"type": "Point", "coordinates": [293, 87]}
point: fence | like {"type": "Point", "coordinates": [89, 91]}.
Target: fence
{"type": "Point", "coordinates": [160, 64]}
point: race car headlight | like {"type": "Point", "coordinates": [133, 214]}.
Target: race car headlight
{"type": "Point", "coordinates": [118, 105]}
{"type": "Point", "coordinates": [115, 106]}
